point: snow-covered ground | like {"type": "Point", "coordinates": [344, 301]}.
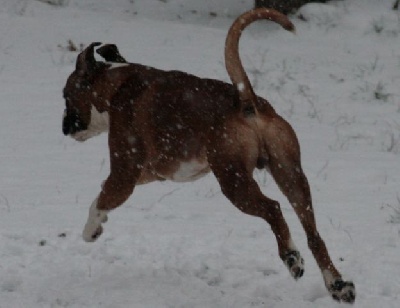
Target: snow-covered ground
{"type": "Point", "coordinates": [184, 245]}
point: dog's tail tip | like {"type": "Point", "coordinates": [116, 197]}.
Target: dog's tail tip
{"type": "Point", "coordinates": [291, 28]}
{"type": "Point", "coordinates": [285, 23]}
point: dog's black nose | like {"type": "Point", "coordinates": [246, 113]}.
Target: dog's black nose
{"type": "Point", "coordinates": [65, 128]}
{"type": "Point", "coordinates": [72, 123]}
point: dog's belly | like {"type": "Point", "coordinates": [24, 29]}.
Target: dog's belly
{"type": "Point", "coordinates": [187, 171]}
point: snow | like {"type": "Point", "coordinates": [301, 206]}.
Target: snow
{"type": "Point", "coordinates": [184, 245]}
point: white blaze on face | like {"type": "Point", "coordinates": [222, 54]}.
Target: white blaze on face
{"type": "Point", "coordinates": [99, 123]}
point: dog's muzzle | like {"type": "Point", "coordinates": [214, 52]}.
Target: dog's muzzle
{"type": "Point", "coordinates": [72, 123]}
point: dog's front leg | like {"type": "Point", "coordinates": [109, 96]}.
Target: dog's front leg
{"type": "Point", "coordinates": [115, 191]}
{"type": "Point", "coordinates": [93, 228]}
{"type": "Point", "coordinates": [126, 169]}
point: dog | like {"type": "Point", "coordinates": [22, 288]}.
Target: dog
{"type": "Point", "coordinates": [170, 125]}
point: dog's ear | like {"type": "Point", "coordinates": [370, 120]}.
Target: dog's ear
{"type": "Point", "coordinates": [86, 63]}
{"type": "Point", "coordinates": [111, 53]}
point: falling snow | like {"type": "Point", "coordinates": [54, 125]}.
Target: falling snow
{"type": "Point", "coordinates": [185, 245]}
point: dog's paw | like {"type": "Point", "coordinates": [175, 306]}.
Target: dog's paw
{"type": "Point", "coordinates": [295, 264]}
{"type": "Point", "coordinates": [91, 235]}
{"type": "Point", "coordinates": [93, 228]}
{"type": "Point", "coordinates": [343, 291]}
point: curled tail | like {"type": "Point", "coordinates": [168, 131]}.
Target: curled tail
{"type": "Point", "coordinates": [233, 63]}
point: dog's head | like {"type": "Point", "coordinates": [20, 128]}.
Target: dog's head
{"type": "Point", "coordinates": [80, 113]}
{"type": "Point", "coordinates": [86, 102]}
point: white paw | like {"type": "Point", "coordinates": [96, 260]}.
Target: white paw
{"type": "Point", "coordinates": [343, 291]}
{"type": "Point", "coordinates": [93, 228]}
{"type": "Point", "coordinates": [91, 232]}
{"type": "Point", "coordinates": [295, 264]}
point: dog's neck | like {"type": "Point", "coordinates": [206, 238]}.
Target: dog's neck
{"type": "Point", "coordinates": [103, 90]}
{"type": "Point", "coordinates": [107, 84]}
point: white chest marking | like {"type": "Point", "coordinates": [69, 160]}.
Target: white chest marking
{"type": "Point", "coordinates": [99, 123]}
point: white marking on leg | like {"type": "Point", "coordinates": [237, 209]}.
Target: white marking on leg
{"type": "Point", "coordinates": [328, 277]}
{"type": "Point", "coordinates": [294, 261]}
{"type": "Point", "coordinates": [93, 227]}
{"type": "Point", "coordinates": [291, 245]}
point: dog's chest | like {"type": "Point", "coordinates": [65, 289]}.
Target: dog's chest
{"type": "Point", "coordinates": [187, 171]}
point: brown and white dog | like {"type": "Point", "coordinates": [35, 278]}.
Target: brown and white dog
{"type": "Point", "coordinates": [176, 126]}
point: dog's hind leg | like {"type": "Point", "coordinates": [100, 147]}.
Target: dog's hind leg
{"type": "Point", "coordinates": [284, 163]}
{"type": "Point", "coordinates": [233, 166]}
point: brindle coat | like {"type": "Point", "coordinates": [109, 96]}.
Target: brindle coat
{"type": "Point", "coordinates": [173, 125]}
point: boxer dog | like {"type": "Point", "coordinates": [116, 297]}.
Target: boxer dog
{"type": "Point", "coordinates": [170, 125]}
